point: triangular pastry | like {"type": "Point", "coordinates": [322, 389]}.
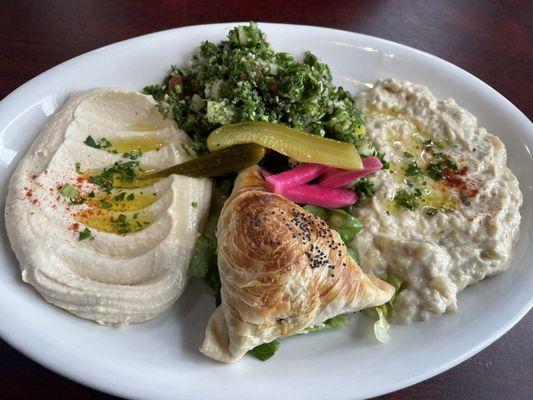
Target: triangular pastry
{"type": "Point", "coordinates": [282, 270]}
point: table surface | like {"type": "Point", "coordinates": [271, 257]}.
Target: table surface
{"type": "Point", "coordinates": [492, 40]}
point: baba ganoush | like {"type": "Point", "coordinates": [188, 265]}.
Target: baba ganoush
{"type": "Point", "coordinates": [446, 212]}
{"type": "Point", "coordinates": [88, 235]}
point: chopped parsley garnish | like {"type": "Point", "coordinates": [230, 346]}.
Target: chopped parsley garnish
{"type": "Point", "coordinates": [407, 154]}
{"type": "Point", "coordinates": [132, 155]}
{"type": "Point", "coordinates": [123, 226]}
{"type": "Point", "coordinates": [69, 192]}
{"type": "Point", "coordinates": [130, 197]}
{"type": "Point", "coordinates": [437, 170]}
{"type": "Point", "coordinates": [101, 143]}
{"type": "Point", "coordinates": [125, 171]}
{"type": "Point", "coordinates": [194, 204]}
{"type": "Point", "coordinates": [85, 234]}
{"type": "Point", "coordinates": [120, 196]}
{"type": "Point", "coordinates": [365, 188]}
{"type": "Point", "coordinates": [104, 203]}
{"type": "Point", "coordinates": [430, 144]}
{"type": "Point", "coordinates": [381, 156]}
{"type": "Point", "coordinates": [78, 167]}
{"type": "Point", "coordinates": [91, 195]}
{"type": "Point", "coordinates": [413, 169]}
{"type": "Point", "coordinates": [406, 199]}
{"type": "Point", "coordinates": [430, 211]}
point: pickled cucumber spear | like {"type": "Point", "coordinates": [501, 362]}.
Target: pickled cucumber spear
{"type": "Point", "coordinates": [216, 163]}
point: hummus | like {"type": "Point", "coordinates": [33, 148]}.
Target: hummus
{"type": "Point", "coordinates": [115, 254]}
{"type": "Point", "coordinates": [446, 213]}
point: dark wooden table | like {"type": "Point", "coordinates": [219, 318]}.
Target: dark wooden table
{"type": "Point", "coordinates": [491, 39]}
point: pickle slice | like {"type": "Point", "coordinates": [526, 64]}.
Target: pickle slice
{"type": "Point", "coordinates": [302, 146]}
{"type": "Point", "coordinates": [216, 163]}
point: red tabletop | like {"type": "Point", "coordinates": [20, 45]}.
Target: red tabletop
{"type": "Point", "coordinates": [491, 39]}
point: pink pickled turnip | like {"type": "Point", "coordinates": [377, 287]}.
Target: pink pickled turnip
{"type": "Point", "coordinates": [335, 178]}
{"type": "Point", "coordinates": [297, 176]}
{"type": "Point", "coordinates": [320, 196]}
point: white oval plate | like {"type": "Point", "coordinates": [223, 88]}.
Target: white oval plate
{"type": "Point", "coordinates": [159, 359]}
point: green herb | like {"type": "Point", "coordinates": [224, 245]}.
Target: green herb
{"type": "Point", "coordinates": [102, 143]}
{"type": "Point", "coordinates": [365, 188]}
{"type": "Point", "coordinates": [130, 197]}
{"type": "Point", "coordinates": [136, 215]}
{"type": "Point", "coordinates": [381, 156]}
{"type": "Point", "coordinates": [244, 79]}
{"type": "Point", "coordinates": [265, 351]}
{"type": "Point", "coordinates": [120, 196]}
{"type": "Point", "coordinates": [132, 155]}
{"type": "Point", "coordinates": [406, 199]}
{"type": "Point", "coordinates": [78, 167]}
{"type": "Point", "coordinates": [91, 195]}
{"type": "Point", "coordinates": [126, 171]}
{"type": "Point", "coordinates": [123, 226]}
{"type": "Point", "coordinates": [86, 233]}
{"type": "Point", "coordinates": [430, 144]}
{"type": "Point", "coordinates": [104, 203]}
{"type": "Point", "coordinates": [194, 204]}
{"type": "Point", "coordinates": [430, 211]}
{"type": "Point", "coordinates": [438, 170]}
{"type": "Point", "coordinates": [407, 154]}
{"type": "Point", "coordinates": [69, 192]}
{"type": "Point", "coordinates": [413, 169]}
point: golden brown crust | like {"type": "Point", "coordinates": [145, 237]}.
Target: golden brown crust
{"type": "Point", "coordinates": [282, 269]}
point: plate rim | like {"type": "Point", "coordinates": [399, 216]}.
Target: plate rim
{"type": "Point", "coordinates": [61, 368]}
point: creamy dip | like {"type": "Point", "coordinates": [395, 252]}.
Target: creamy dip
{"type": "Point", "coordinates": [446, 213]}
{"type": "Point", "coordinates": [115, 254]}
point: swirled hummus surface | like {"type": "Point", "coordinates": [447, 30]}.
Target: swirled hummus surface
{"type": "Point", "coordinates": [90, 236]}
{"type": "Point", "coordinates": [446, 212]}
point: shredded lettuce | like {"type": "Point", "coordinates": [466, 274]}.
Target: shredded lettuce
{"type": "Point", "coordinates": [381, 326]}
{"type": "Point", "coordinates": [265, 351]}
{"type": "Point", "coordinates": [336, 322]}
{"type": "Point", "coordinates": [346, 224]}
{"type": "Point", "coordinates": [203, 263]}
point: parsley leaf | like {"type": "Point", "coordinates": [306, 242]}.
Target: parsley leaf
{"type": "Point", "coordinates": [438, 170]}
{"type": "Point", "coordinates": [69, 192]}
{"type": "Point", "coordinates": [413, 169]}
{"type": "Point", "coordinates": [132, 155]}
{"type": "Point", "coordinates": [120, 196]}
{"type": "Point", "coordinates": [85, 234]}
{"type": "Point", "coordinates": [365, 188]}
{"type": "Point", "coordinates": [102, 143]}
{"type": "Point", "coordinates": [125, 171]}
{"type": "Point", "coordinates": [408, 200]}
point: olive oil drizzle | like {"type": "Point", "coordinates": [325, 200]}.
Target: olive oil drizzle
{"type": "Point", "coordinates": [419, 191]}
